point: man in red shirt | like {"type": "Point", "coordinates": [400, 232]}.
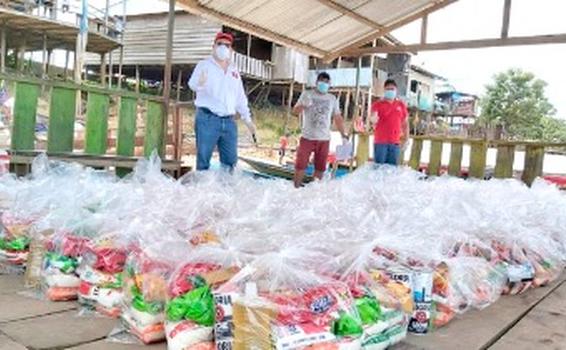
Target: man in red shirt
{"type": "Point", "coordinates": [389, 116]}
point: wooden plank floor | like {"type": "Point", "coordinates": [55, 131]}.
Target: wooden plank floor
{"type": "Point", "coordinates": [534, 320]}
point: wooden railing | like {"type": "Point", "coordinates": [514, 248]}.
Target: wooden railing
{"type": "Point", "coordinates": [253, 67]}
{"type": "Point", "coordinates": [63, 101]}
{"type": "Point", "coordinates": [533, 164]}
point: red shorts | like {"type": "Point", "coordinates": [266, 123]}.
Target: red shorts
{"type": "Point", "coordinates": [306, 147]}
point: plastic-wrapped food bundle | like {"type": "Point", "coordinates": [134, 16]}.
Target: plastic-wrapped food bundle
{"type": "Point", "coordinates": [278, 303]}
{"type": "Point", "coordinates": [193, 306]}
{"type": "Point", "coordinates": [148, 268]}
{"type": "Point", "coordinates": [101, 275]}
{"type": "Point", "coordinates": [60, 279]}
{"type": "Point", "coordinates": [383, 320]}
{"type": "Point", "coordinates": [14, 242]}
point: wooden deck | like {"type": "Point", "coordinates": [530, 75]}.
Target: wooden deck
{"type": "Point", "coordinates": [534, 320]}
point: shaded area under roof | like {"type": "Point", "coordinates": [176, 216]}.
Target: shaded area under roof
{"type": "Point", "coordinates": [28, 30]}
{"type": "Point", "coordinates": [322, 28]}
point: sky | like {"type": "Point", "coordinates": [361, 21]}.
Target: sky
{"type": "Point", "coordinates": [471, 70]}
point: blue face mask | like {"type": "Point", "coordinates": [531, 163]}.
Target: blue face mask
{"type": "Point", "coordinates": [390, 94]}
{"type": "Point", "coordinates": [323, 87]}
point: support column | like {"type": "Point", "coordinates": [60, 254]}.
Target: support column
{"type": "Point", "coordinates": [103, 69]}
{"type": "Point", "coordinates": [66, 68]}
{"type": "Point", "coordinates": [179, 81]}
{"type": "Point", "coordinates": [168, 68]}
{"type": "Point", "coordinates": [110, 70]}
{"type": "Point", "coordinates": [3, 49]}
{"type": "Point", "coordinates": [138, 83]}
{"type": "Point", "coordinates": [44, 56]}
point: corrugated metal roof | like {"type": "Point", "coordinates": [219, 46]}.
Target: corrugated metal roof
{"type": "Point", "coordinates": [317, 27]}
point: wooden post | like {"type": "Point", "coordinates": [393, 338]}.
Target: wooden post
{"type": "Point", "coordinates": [424, 28]}
{"type": "Point", "coordinates": [435, 160]}
{"type": "Point", "coordinates": [3, 49]}
{"type": "Point", "coordinates": [347, 104]}
{"type": "Point", "coordinates": [49, 59]}
{"type": "Point", "coordinates": [289, 106]}
{"type": "Point", "coordinates": [66, 68]}
{"type": "Point", "coordinates": [534, 160]}
{"type": "Point", "coordinates": [504, 162]}
{"type": "Point", "coordinates": [248, 54]}
{"type": "Point", "coordinates": [506, 19]}
{"type": "Point", "coordinates": [168, 68]}
{"type": "Point", "coordinates": [416, 150]}
{"type": "Point", "coordinates": [478, 157]}
{"type": "Point", "coordinates": [106, 15]}
{"type": "Point", "coordinates": [110, 69]}
{"type": "Point", "coordinates": [103, 69]}
{"type": "Point", "coordinates": [44, 56]}
{"type": "Point", "coordinates": [78, 60]}
{"type": "Point", "coordinates": [455, 165]}
{"type": "Point", "coordinates": [179, 81]}
{"type": "Point", "coordinates": [137, 79]}
{"type": "Point", "coordinates": [120, 66]}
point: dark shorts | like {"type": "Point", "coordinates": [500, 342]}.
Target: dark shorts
{"type": "Point", "coordinates": [306, 148]}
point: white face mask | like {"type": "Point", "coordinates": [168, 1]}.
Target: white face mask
{"type": "Point", "coordinates": [222, 52]}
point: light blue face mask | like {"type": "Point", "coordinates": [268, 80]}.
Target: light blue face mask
{"type": "Point", "coordinates": [323, 87]}
{"type": "Point", "coordinates": [390, 94]}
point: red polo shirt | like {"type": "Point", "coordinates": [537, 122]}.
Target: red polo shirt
{"type": "Point", "coordinates": [391, 114]}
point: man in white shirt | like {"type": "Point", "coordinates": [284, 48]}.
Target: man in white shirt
{"type": "Point", "coordinates": [220, 95]}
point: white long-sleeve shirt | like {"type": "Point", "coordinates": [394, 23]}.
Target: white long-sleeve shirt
{"type": "Point", "coordinates": [223, 93]}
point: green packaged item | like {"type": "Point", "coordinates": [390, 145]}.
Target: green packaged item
{"type": "Point", "coordinates": [196, 305]}
{"type": "Point", "coordinates": [64, 263]}
{"type": "Point", "coordinates": [346, 326]}
{"type": "Point", "coordinates": [369, 310]}
{"type": "Point", "coordinates": [140, 304]}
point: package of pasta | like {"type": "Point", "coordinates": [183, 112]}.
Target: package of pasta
{"type": "Point", "coordinates": [281, 302]}
{"type": "Point", "coordinates": [101, 275]}
{"type": "Point", "coordinates": [59, 272]}
{"type": "Point", "coordinates": [193, 303]}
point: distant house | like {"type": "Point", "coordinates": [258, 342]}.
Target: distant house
{"type": "Point", "coordinates": [456, 108]}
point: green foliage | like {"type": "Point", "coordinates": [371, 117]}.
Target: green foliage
{"type": "Point", "coordinates": [516, 100]}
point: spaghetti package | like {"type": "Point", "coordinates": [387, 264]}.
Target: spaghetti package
{"type": "Point", "coordinates": [59, 273]}
{"type": "Point", "coordinates": [101, 275]}
{"type": "Point", "coordinates": [279, 303]}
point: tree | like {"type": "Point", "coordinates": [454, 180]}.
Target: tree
{"type": "Point", "coordinates": [516, 101]}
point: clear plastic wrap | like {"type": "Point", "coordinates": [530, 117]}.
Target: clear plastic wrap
{"type": "Point", "coordinates": [279, 303]}
{"type": "Point", "coordinates": [194, 305]}
{"type": "Point", "coordinates": [101, 276]}
{"type": "Point", "coordinates": [60, 278]}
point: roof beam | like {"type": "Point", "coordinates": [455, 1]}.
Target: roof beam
{"type": "Point", "coordinates": [195, 7]}
{"type": "Point", "coordinates": [350, 13]}
{"type": "Point", "coordinates": [424, 27]}
{"type": "Point", "coordinates": [467, 44]}
{"type": "Point", "coordinates": [375, 34]}
{"type": "Point", "coordinates": [506, 18]}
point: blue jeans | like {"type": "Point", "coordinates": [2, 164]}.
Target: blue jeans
{"type": "Point", "coordinates": [386, 153]}
{"type": "Point", "coordinates": [211, 131]}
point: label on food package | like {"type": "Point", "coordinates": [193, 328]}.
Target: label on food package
{"type": "Point", "coordinates": [299, 336]}
{"type": "Point", "coordinates": [420, 320]}
{"type": "Point", "coordinates": [521, 273]}
{"type": "Point", "coordinates": [224, 325]}
{"type": "Point", "coordinates": [422, 287]}
{"type": "Point", "coordinates": [404, 277]}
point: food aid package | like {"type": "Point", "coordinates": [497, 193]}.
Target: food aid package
{"type": "Point", "coordinates": [59, 273]}
{"type": "Point", "coordinates": [14, 242]}
{"type": "Point", "coordinates": [195, 312]}
{"type": "Point", "coordinates": [101, 275]}
{"type": "Point", "coordinates": [146, 275]}
{"type": "Point", "coordinates": [280, 303]}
